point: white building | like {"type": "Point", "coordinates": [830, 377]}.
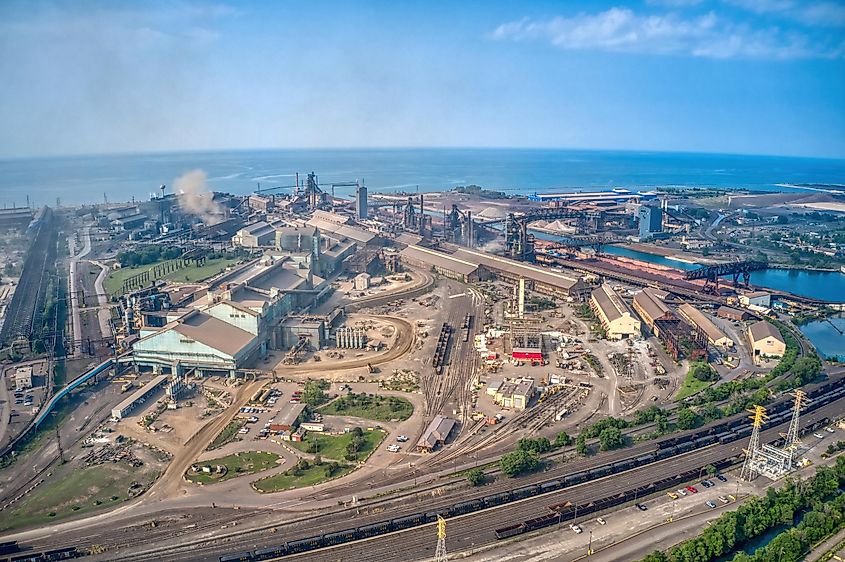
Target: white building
{"type": "Point", "coordinates": [362, 282]}
{"type": "Point", "coordinates": [23, 377]}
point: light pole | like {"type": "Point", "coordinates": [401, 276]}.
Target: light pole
{"type": "Point", "coordinates": [590, 546]}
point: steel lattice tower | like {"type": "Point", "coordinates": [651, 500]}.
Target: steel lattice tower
{"type": "Point", "coordinates": [792, 441]}
{"type": "Point", "coordinates": [749, 467]}
{"type": "Point", "coordinates": [440, 553]}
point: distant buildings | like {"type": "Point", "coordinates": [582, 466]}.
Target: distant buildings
{"type": "Point", "coordinates": [361, 203]}
{"type": "Point", "coordinates": [615, 315]}
{"type": "Point", "coordinates": [766, 340]}
{"type": "Point", "coordinates": [650, 221]}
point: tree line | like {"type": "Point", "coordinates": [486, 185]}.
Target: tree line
{"type": "Point", "coordinates": [819, 499]}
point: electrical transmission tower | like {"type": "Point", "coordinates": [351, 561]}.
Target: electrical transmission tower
{"type": "Point", "coordinates": [792, 441]}
{"type": "Point", "coordinates": [750, 467]}
{"type": "Point", "coordinates": [440, 553]}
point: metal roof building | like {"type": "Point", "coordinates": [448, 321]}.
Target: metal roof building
{"type": "Point", "coordinates": [436, 434]}
{"type": "Point", "coordinates": [766, 340]}
{"type": "Point", "coordinates": [697, 318]}
{"type": "Point", "coordinates": [649, 304]}
{"type": "Point", "coordinates": [615, 315]}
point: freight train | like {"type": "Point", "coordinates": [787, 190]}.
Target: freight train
{"type": "Point", "coordinates": [11, 552]}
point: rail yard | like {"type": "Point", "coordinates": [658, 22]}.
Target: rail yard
{"type": "Point", "coordinates": [291, 374]}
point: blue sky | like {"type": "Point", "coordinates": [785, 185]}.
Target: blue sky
{"type": "Point", "coordinates": [734, 76]}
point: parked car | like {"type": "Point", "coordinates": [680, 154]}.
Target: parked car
{"type": "Point", "coordinates": [601, 521]}
{"type": "Point", "coordinates": [830, 430]}
{"type": "Point", "coordinates": [706, 484]}
{"type": "Point", "coordinates": [243, 430]}
{"type": "Point", "coordinates": [642, 507]}
{"type": "Point", "coordinates": [575, 528]}
{"type": "Point", "coordinates": [692, 489]}
{"type": "Point", "coordinates": [710, 504]}
{"type": "Point", "coordinates": [721, 477]}
{"type": "Point", "coordinates": [402, 438]}
{"type": "Point", "coordinates": [673, 495]}
{"type": "Point", "coordinates": [818, 435]}
{"type": "Point", "coordinates": [393, 448]}
{"type": "Point", "coordinates": [682, 492]}
{"type": "Point", "coordinates": [723, 499]}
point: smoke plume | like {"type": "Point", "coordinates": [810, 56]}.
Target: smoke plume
{"type": "Point", "coordinates": [195, 198]}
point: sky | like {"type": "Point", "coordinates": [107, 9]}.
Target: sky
{"type": "Point", "coordinates": [726, 76]}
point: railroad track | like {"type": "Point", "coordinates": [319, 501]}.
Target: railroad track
{"type": "Point", "coordinates": [426, 500]}
{"type": "Point", "coordinates": [477, 529]}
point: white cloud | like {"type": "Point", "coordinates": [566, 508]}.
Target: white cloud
{"type": "Point", "coordinates": [623, 30]}
{"type": "Point", "coordinates": [827, 13]}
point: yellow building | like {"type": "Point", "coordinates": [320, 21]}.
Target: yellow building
{"type": "Point", "coordinates": [697, 318]}
{"type": "Point", "coordinates": [766, 340]}
{"type": "Point", "coordinates": [615, 315]}
{"type": "Point", "coordinates": [515, 394]}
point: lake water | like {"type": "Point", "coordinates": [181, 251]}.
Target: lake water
{"type": "Point", "coordinates": [827, 337]}
{"type": "Point", "coordinates": [85, 179]}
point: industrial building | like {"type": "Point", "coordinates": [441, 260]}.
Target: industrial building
{"type": "Point", "coordinates": [236, 322]}
{"type": "Point", "coordinates": [757, 298]}
{"type": "Point", "coordinates": [436, 434]}
{"type": "Point", "coordinates": [362, 281]}
{"type": "Point", "coordinates": [23, 377]}
{"type": "Point", "coordinates": [442, 263]}
{"type": "Point", "coordinates": [615, 315]}
{"type": "Point", "coordinates": [470, 265]}
{"type": "Point", "coordinates": [700, 320]}
{"type": "Point", "coordinates": [650, 306]}
{"type": "Point", "coordinates": [650, 221]}
{"type": "Point", "coordinates": [138, 397]}
{"type": "Point", "coordinates": [729, 313]}
{"type": "Point", "coordinates": [361, 203]}
{"type": "Point", "coordinates": [513, 394]}
{"type": "Point", "coordinates": [766, 340]}
{"type": "Point", "coordinates": [255, 235]}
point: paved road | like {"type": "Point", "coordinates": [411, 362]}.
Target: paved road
{"type": "Point", "coordinates": [104, 313]}
{"type": "Point", "coordinates": [826, 546]}
{"type": "Point", "coordinates": [5, 406]}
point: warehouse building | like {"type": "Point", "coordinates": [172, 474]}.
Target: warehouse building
{"type": "Point", "coordinates": [649, 304]}
{"type": "Point", "coordinates": [700, 320]}
{"type": "Point", "coordinates": [729, 313]}
{"type": "Point", "coordinates": [138, 397]}
{"type": "Point", "coordinates": [470, 265]}
{"type": "Point", "coordinates": [442, 263]}
{"type": "Point", "coordinates": [436, 434]}
{"type": "Point", "coordinates": [757, 298]}
{"type": "Point", "coordinates": [615, 315]}
{"type": "Point", "coordinates": [255, 235]}
{"type": "Point", "coordinates": [766, 340]}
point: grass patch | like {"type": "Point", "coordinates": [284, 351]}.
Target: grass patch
{"type": "Point", "coordinates": [76, 491]}
{"type": "Point", "coordinates": [690, 386]}
{"type": "Point", "coordinates": [114, 282]}
{"type": "Point", "coordinates": [335, 446]}
{"type": "Point", "coordinates": [228, 434]}
{"type": "Point", "coordinates": [371, 407]}
{"type": "Point", "coordinates": [300, 478]}
{"type": "Point", "coordinates": [236, 465]}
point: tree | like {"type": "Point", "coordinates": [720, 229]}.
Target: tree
{"type": "Point", "coordinates": [536, 446]}
{"type": "Point", "coordinates": [703, 371]}
{"type": "Point", "coordinates": [313, 394]}
{"type": "Point", "coordinates": [476, 477]}
{"type": "Point", "coordinates": [710, 469]}
{"type": "Point", "coordinates": [581, 445]}
{"type": "Point", "coordinates": [563, 439]}
{"type": "Point", "coordinates": [611, 438]}
{"type": "Point", "coordinates": [687, 419]}
{"type": "Point", "coordinates": [518, 462]}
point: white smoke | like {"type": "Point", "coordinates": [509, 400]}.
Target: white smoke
{"type": "Point", "coordinates": [195, 198]}
{"type": "Point", "coordinates": [493, 247]}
